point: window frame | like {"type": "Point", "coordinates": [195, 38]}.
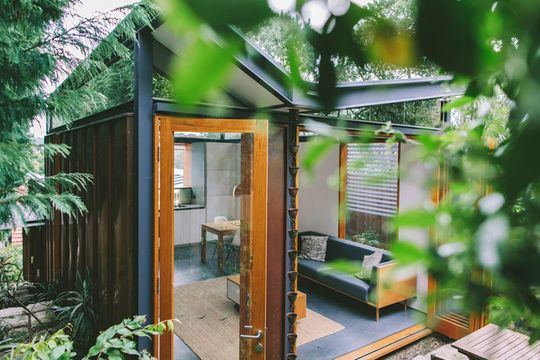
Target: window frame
{"type": "Point", "coordinates": [343, 207]}
{"type": "Point", "coordinates": [186, 175]}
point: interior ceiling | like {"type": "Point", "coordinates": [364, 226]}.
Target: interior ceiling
{"type": "Point", "coordinates": [240, 87]}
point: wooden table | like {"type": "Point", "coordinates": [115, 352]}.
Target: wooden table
{"type": "Point", "coordinates": [494, 343]}
{"type": "Point", "coordinates": [233, 294]}
{"type": "Point", "coordinates": [220, 229]}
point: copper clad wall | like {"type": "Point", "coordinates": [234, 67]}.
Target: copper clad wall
{"type": "Point", "coordinates": [105, 238]}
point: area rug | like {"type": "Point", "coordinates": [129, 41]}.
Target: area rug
{"type": "Point", "coordinates": [209, 322]}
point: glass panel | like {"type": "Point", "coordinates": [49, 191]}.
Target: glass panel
{"type": "Point", "coordinates": [212, 231]}
{"type": "Point", "coordinates": [372, 191]}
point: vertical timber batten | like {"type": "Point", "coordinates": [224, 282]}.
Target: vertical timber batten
{"type": "Point", "coordinates": [144, 174]}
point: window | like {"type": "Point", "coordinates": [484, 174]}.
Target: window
{"type": "Point", "coordinates": [371, 189]}
{"type": "Point", "coordinates": [182, 165]}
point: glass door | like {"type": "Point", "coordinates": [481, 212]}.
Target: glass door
{"type": "Point", "coordinates": [211, 195]}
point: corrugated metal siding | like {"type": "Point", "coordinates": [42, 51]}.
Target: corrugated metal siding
{"type": "Point", "coordinates": [105, 238]}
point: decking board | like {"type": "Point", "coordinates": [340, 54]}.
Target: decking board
{"type": "Point", "coordinates": [492, 343]}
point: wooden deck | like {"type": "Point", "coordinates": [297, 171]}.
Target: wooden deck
{"type": "Point", "coordinates": [493, 343]}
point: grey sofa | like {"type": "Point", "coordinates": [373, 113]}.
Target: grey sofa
{"type": "Point", "coordinates": [382, 290]}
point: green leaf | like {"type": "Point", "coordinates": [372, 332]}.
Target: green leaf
{"type": "Point", "coordinates": [409, 253]}
{"type": "Point", "coordinates": [315, 152]}
{"type": "Point", "coordinates": [415, 218]}
{"type": "Point", "coordinates": [462, 101]}
{"type": "Point", "coordinates": [344, 266]}
{"type": "Point", "coordinates": [204, 67]}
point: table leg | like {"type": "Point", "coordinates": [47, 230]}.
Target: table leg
{"type": "Point", "coordinates": [220, 252]}
{"type": "Point", "coordinates": [203, 245]}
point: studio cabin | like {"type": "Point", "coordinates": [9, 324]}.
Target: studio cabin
{"type": "Point", "coordinates": [206, 214]}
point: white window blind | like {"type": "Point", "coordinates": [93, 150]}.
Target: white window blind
{"type": "Point", "coordinates": [372, 178]}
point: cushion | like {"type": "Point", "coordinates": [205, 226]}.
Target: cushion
{"type": "Point", "coordinates": [348, 284]}
{"type": "Point", "coordinates": [313, 248]}
{"type": "Point", "coordinates": [311, 268]}
{"type": "Point", "coordinates": [368, 263]}
{"type": "Point", "coordinates": [345, 283]}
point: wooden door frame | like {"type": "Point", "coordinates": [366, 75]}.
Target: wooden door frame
{"type": "Point", "coordinates": [164, 128]}
{"type": "Point", "coordinates": [448, 324]}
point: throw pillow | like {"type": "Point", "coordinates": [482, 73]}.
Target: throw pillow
{"type": "Point", "coordinates": [367, 265]}
{"type": "Point", "coordinates": [313, 248]}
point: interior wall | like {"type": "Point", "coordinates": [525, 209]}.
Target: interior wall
{"type": "Point", "coordinates": [212, 184]}
{"type": "Point", "coordinates": [318, 201]}
{"type": "Point", "coordinates": [222, 175]}
{"type": "Point", "coordinates": [413, 194]}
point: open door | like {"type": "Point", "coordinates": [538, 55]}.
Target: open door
{"type": "Point", "coordinates": [221, 303]}
{"type": "Point", "coordinates": [442, 315]}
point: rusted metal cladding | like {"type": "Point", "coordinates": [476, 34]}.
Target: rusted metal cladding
{"type": "Point", "coordinates": [104, 239]}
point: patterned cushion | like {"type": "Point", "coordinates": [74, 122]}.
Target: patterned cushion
{"type": "Point", "coordinates": [367, 265]}
{"type": "Point", "coordinates": [313, 248]}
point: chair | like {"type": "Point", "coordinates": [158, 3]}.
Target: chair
{"type": "Point", "coordinates": [234, 246]}
{"type": "Point", "coordinates": [227, 239]}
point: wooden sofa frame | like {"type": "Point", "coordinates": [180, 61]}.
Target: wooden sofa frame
{"type": "Point", "coordinates": [387, 291]}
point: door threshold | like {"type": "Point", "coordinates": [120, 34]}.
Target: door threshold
{"type": "Point", "coordinates": [389, 344]}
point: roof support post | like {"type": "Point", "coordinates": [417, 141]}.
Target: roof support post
{"type": "Point", "coordinates": [144, 176]}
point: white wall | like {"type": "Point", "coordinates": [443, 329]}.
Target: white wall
{"type": "Point", "coordinates": [318, 201]}
{"type": "Point", "coordinates": [187, 225]}
{"type": "Point", "coordinates": [412, 195]}
{"type": "Point", "coordinates": [222, 162]}
{"type": "Point", "coordinates": [222, 175]}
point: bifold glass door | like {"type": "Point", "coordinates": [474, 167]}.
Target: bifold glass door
{"type": "Point", "coordinates": [211, 193]}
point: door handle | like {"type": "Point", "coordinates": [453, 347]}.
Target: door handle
{"type": "Point", "coordinates": [258, 335]}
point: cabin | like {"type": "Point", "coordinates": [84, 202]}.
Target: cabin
{"type": "Point", "coordinates": [206, 214]}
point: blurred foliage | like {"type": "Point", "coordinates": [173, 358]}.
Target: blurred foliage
{"type": "Point", "coordinates": [485, 251]}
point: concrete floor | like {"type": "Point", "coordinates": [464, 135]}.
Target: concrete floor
{"type": "Point", "coordinates": [357, 318]}
{"type": "Point", "coordinates": [189, 269]}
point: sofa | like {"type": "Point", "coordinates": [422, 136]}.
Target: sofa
{"type": "Point", "coordinates": [383, 289]}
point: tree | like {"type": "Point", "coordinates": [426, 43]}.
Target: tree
{"type": "Point", "coordinates": [39, 47]}
{"type": "Point", "coordinates": [487, 248]}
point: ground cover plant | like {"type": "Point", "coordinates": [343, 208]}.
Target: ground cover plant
{"type": "Point", "coordinates": [117, 342]}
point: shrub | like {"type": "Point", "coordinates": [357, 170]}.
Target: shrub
{"type": "Point", "coordinates": [10, 272]}
{"type": "Point", "coordinates": [370, 238]}
{"type": "Point", "coordinates": [117, 342]}
{"type": "Point", "coordinates": [76, 308]}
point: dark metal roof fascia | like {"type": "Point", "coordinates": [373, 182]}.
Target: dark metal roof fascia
{"type": "Point", "coordinates": [353, 124]}
{"type": "Point", "coordinates": [381, 92]}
